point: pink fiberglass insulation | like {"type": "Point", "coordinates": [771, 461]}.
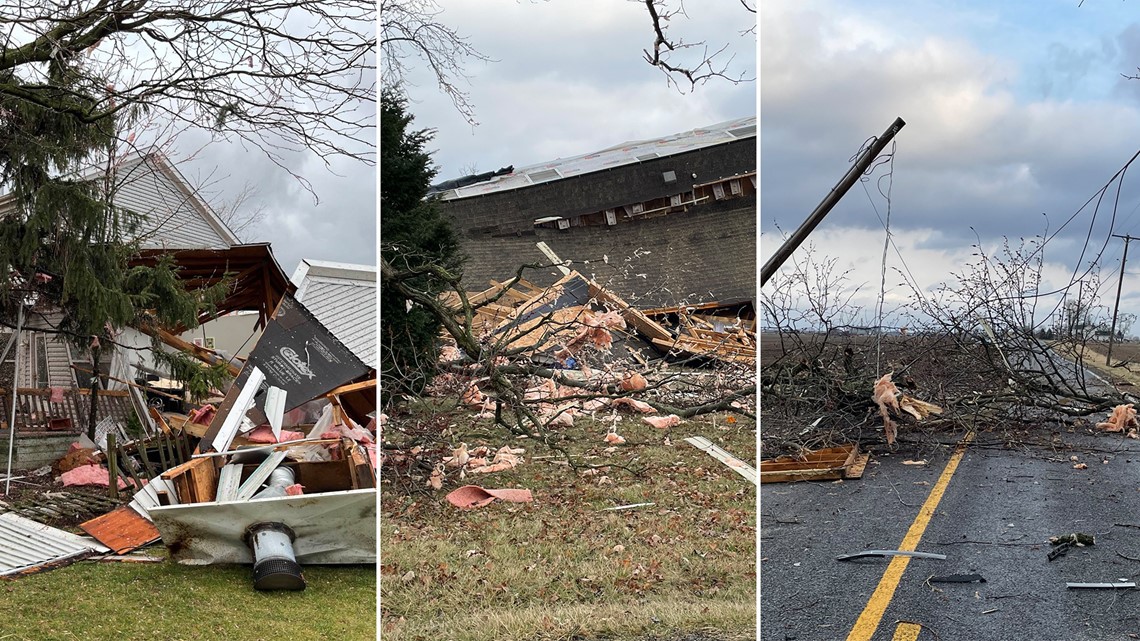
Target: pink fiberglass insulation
{"type": "Point", "coordinates": [90, 475]}
{"type": "Point", "coordinates": [263, 434]}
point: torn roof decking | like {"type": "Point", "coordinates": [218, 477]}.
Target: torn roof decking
{"type": "Point", "coordinates": [623, 154]}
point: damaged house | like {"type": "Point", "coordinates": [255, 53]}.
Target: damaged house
{"type": "Point", "coordinates": [54, 376]}
{"type": "Point", "coordinates": [661, 221]}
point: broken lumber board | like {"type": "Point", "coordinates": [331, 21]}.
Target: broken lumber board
{"type": "Point", "coordinates": [253, 483]}
{"type": "Point", "coordinates": [363, 475]}
{"type": "Point", "coordinates": [821, 465]}
{"type": "Point", "coordinates": [642, 323]}
{"type": "Point", "coordinates": [855, 471]}
{"type": "Point", "coordinates": [194, 481]}
{"type": "Point", "coordinates": [742, 354]}
{"type": "Point", "coordinates": [737, 465]}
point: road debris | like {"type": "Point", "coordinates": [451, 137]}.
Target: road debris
{"type": "Point", "coordinates": [841, 462]}
{"type": "Point", "coordinates": [881, 553]}
{"type": "Point", "coordinates": [1122, 418]}
{"type": "Point", "coordinates": [1114, 585]}
{"type": "Point", "coordinates": [887, 396]}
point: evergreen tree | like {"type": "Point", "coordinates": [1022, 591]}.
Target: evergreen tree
{"type": "Point", "coordinates": [62, 243]}
{"type": "Point", "coordinates": [413, 233]}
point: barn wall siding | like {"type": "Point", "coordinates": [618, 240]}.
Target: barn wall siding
{"type": "Point", "coordinates": [706, 253]}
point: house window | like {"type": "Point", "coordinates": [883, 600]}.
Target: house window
{"type": "Point", "coordinates": [563, 223]}
{"type": "Point", "coordinates": [675, 201]}
{"type": "Point", "coordinates": [718, 191]}
{"type": "Point", "coordinates": [611, 217]}
{"type": "Point", "coordinates": [638, 208]}
{"type": "Point", "coordinates": [734, 187]}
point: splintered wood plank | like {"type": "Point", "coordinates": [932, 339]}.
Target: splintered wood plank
{"type": "Point", "coordinates": [251, 485]}
{"type": "Point", "coordinates": [194, 480]}
{"type": "Point", "coordinates": [857, 468]}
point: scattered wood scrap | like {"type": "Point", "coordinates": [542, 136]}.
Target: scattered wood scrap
{"type": "Point", "coordinates": [828, 464]}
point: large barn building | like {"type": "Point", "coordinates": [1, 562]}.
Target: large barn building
{"type": "Point", "coordinates": [665, 221]}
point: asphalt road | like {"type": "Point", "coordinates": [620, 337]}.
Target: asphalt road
{"type": "Point", "coordinates": [997, 512]}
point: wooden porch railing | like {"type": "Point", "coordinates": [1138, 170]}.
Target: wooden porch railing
{"type": "Point", "coordinates": [35, 411]}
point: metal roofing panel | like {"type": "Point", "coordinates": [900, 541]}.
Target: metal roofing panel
{"type": "Point", "coordinates": [623, 154]}
{"type": "Point", "coordinates": [26, 544]}
{"type": "Point", "coordinates": [122, 529]}
{"type": "Point", "coordinates": [331, 527]}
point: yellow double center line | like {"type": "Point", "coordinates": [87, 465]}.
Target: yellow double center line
{"type": "Point", "coordinates": [869, 620]}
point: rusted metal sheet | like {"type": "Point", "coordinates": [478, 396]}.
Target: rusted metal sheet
{"type": "Point", "coordinates": [331, 528]}
{"type": "Point", "coordinates": [122, 530]}
{"type": "Point", "coordinates": [26, 545]}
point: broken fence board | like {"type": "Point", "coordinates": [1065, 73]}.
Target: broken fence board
{"type": "Point", "coordinates": [737, 465]}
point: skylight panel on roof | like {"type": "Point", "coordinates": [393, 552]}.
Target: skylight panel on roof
{"type": "Point", "coordinates": [543, 175]}
{"type": "Point", "coordinates": [649, 156]}
{"type": "Point", "coordinates": [743, 132]}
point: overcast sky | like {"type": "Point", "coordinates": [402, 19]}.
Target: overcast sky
{"type": "Point", "coordinates": [1016, 111]}
{"type": "Point", "coordinates": [568, 78]}
{"type": "Point", "coordinates": [335, 222]}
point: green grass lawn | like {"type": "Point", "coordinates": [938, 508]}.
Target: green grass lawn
{"type": "Point", "coordinates": [561, 567]}
{"type": "Point", "coordinates": [171, 602]}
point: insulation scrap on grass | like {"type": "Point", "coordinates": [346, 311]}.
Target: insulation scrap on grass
{"type": "Point", "coordinates": [1122, 417]}
{"type": "Point", "coordinates": [475, 460]}
{"type": "Point", "coordinates": [662, 422]}
{"type": "Point", "coordinates": [634, 404]}
{"type": "Point", "coordinates": [472, 496]}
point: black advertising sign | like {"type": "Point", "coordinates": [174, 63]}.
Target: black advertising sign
{"type": "Point", "coordinates": [299, 355]}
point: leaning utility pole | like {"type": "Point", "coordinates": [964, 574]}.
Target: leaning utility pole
{"type": "Point", "coordinates": [1116, 307]}
{"type": "Point", "coordinates": [785, 250]}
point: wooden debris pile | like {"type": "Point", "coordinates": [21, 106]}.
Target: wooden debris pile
{"type": "Point", "coordinates": [560, 320]}
{"type": "Point", "coordinates": [721, 331]}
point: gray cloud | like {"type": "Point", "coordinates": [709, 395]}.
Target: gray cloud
{"type": "Point", "coordinates": [569, 79]}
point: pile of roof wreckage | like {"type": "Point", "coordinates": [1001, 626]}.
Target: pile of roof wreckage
{"type": "Point", "coordinates": [557, 328]}
{"type": "Point", "coordinates": [281, 472]}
